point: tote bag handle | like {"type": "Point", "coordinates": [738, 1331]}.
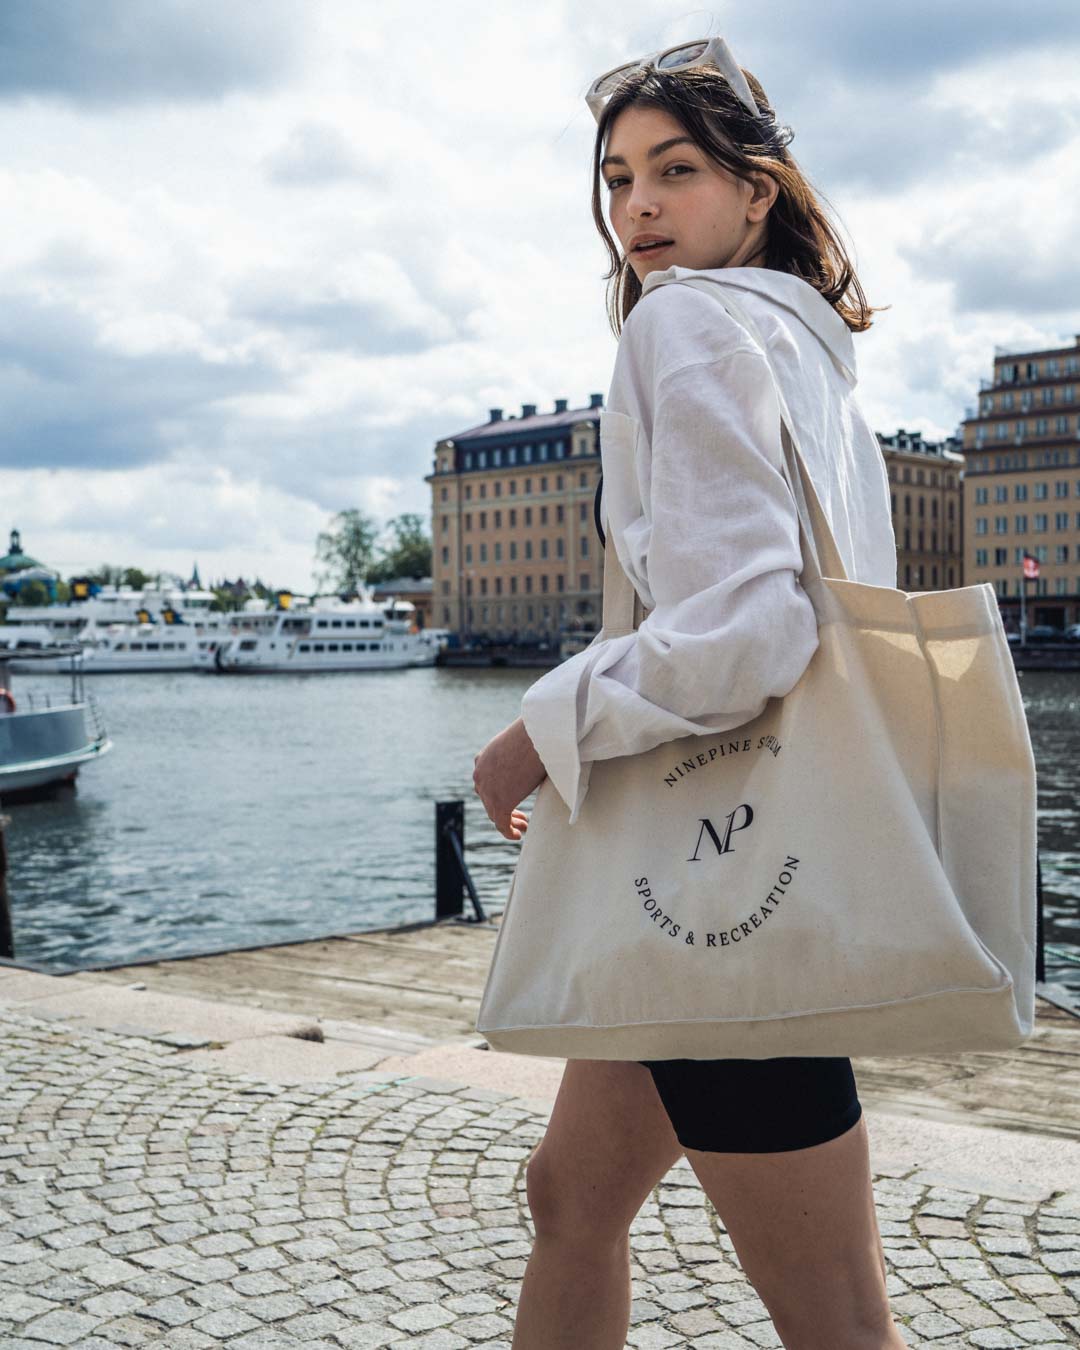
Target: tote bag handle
{"type": "Point", "coordinates": [821, 557]}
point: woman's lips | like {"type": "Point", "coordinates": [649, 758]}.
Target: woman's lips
{"type": "Point", "coordinates": [647, 250]}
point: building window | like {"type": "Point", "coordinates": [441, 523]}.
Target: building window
{"type": "Point", "coordinates": [446, 522]}
{"type": "Point", "coordinates": [468, 553]}
{"type": "Point", "coordinates": [498, 551]}
{"type": "Point", "coordinates": [543, 548]}
{"type": "Point", "coordinates": [513, 585]}
{"type": "Point", "coordinates": [583, 508]}
{"type": "Point", "coordinates": [1061, 520]}
{"type": "Point", "coordinates": [544, 583]}
{"type": "Point", "coordinates": [1001, 524]}
{"type": "Point", "coordinates": [527, 514]}
{"type": "Point", "coordinates": [1061, 488]}
{"type": "Point", "coordinates": [560, 514]}
{"type": "Point", "coordinates": [1020, 492]}
{"type": "Point", "coordinates": [1061, 586]}
{"type": "Point", "coordinates": [483, 586]}
{"type": "Point", "coordinates": [584, 548]}
{"type": "Point", "coordinates": [560, 547]}
{"type": "Point", "coordinates": [528, 550]}
{"type": "Point", "coordinates": [1061, 553]}
{"type": "Point", "coordinates": [584, 581]}
{"type": "Point", "coordinates": [1041, 491]}
{"type": "Point", "coordinates": [468, 520]}
{"type": "Point", "coordinates": [511, 455]}
{"type": "Point", "coordinates": [445, 555]}
{"type": "Point", "coordinates": [513, 517]}
{"type": "Point", "coordinates": [1020, 525]}
{"type": "Point", "coordinates": [907, 504]}
{"type": "Point", "coordinates": [1001, 557]}
{"type": "Point", "coordinates": [1001, 492]}
{"type": "Point", "coordinates": [496, 458]}
{"type": "Point", "coordinates": [543, 515]}
{"type": "Point", "coordinates": [513, 550]}
{"type": "Point", "coordinates": [528, 586]}
{"type": "Point", "coordinates": [467, 459]}
{"type": "Point", "coordinates": [483, 520]}
{"type": "Point", "coordinates": [528, 485]}
{"type": "Point", "coordinates": [543, 484]}
{"type": "Point", "coordinates": [980, 527]}
{"type": "Point", "coordinates": [981, 557]}
{"type": "Point", "coordinates": [560, 582]}
{"type": "Point", "coordinates": [1040, 521]}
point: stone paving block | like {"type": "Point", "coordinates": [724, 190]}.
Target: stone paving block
{"type": "Point", "coordinates": [190, 1209]}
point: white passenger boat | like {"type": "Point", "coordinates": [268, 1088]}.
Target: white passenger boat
{"type": "Point", "coordinates": [325, 634]}
{"type": "Point", "coordinates": [45, 738]}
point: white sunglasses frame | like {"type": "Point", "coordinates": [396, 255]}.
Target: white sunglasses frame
{"type": "Point", "coordinates": [716, 54]}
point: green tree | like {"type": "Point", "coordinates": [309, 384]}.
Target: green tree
{"type": "Point", "coordinates": [345, 551]}
{"type": "Point", "coordinates": [136, 578]}
{"type": "Point", "coordinates": [33, 593]}
{"type": "Point", "coordinates": [407, 552]}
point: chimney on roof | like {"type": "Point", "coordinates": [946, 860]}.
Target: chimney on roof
{"type": "Point", "coordinates": [495, 414]}
{"type": "Point", "coordinates": [596, 400]}
{"type": "Point", "coordinates": [560, 405]}
{"type": "Point", "coordinates": [528, 410]}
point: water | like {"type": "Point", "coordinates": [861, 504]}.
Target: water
{"type": "Point", "coordinates": [249, 810]}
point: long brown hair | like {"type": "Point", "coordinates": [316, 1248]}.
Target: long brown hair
{"type": "Point", "coordinates": [800, 238]}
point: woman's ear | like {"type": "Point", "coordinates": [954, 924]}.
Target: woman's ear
{"type": "Point", "coordinates": [765, 192]}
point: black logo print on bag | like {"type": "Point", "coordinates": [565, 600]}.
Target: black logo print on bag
{"type": "Point", "coordinates": [723, 845]}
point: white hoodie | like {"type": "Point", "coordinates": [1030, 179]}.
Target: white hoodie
{"type": "Point", "coordinates": [703, 520]}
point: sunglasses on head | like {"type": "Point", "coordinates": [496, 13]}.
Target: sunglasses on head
{"type": "Point", "coordinates": [712, 52]}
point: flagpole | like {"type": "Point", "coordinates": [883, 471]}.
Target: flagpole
{"type": "Point", "coordinates": [1023, 607]}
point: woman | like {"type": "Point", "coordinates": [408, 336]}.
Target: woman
{"type": "Point", "coordinates": [697, 176]}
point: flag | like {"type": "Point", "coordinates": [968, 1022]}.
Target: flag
{"type": "Point", "coordinates": [1031, 566]}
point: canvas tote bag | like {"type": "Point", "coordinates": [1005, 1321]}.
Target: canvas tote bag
{"type": "Point", "coordinates": [850, 873]}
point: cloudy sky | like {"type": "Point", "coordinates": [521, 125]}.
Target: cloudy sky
{"type": "Point", "coordinates": [258, 255]}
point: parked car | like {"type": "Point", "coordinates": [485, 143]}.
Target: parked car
{"type": "Point", "coordinates": [1072, 633]}
{"type": "Point", "coordinates": [1044, 632]}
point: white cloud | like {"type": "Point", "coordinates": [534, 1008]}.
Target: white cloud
{"type": "Point", "coordinates": [255, 293]}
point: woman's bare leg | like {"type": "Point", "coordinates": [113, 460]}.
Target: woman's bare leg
{"type": "Point", "coordinates": [608, 1144]}
{"type": "Point", "coordinates": [805, 1232]}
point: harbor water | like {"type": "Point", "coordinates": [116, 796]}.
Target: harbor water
{"type": "Point", "coordinates": [241, 811]}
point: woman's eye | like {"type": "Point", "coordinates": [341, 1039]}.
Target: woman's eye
{"type": "Point", "coordinates": [685, 167]}
{"type": "Point", "coordinates": [613, 183]}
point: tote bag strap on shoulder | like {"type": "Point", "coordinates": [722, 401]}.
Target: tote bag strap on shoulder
{"type": "Point", "coordinates": [821, 557]}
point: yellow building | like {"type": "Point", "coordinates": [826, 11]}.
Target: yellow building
{"type": "Point", "coordinates": [1022, 483]}
{"type": "Point", "coordinates": [927, 509]}
{"type": "Point", "coordinates": [515, 556]}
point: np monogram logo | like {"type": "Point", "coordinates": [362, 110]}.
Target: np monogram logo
{"type": "Point", "coordinates": [745, 814]}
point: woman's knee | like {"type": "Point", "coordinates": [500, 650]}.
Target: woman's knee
{"type": "Point", "coordinates": [565, 1209]}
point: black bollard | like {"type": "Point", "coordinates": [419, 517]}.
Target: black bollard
{"type": "Point", "coordinates": [1040, 951]}
{"type": "Point", "coordinates": [451, 873]}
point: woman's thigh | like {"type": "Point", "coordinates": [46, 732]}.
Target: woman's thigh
{"type": "Point", "coordinates": [804, 1228]}
{"type": "Point", "coordinates": [608, 1143]}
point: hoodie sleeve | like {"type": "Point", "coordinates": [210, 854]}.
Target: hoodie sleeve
{"type": "Point", "coordinates": [715, 555]}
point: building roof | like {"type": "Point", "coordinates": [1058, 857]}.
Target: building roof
{"type": "Point", "coordinates": [16, 560]}
{"type": "Point", "coordinates": [401, 585]}
{"type": "Point", "coordinates": [529, 422]}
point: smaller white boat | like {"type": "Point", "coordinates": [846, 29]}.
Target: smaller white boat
{"type": "Point", "coordinates": [45, 738]}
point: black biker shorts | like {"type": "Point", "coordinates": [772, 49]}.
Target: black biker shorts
{"type": "Point", "coordinates": [756, 1105]}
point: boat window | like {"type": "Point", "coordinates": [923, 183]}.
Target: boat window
{"type": "Point", "coordinates": [350, 623]}
{"type": "Point", "coordinates": [336, 623]}
{"type": "Point", "coordinates": [153, 646]}
{"type": "Point", "coordinates": [318, 647]}
{"type": "Point", "coordinates": [248, 645]}
{"type": "Point", "coordinates": [346, 646]}
{"type": "Point", "coordinates": [331, 646]}
{"type": "Point", "coordinates": [136, 646]}
{"type": "Point", "coordinates": [305, 646]}
{"type": "Point", "coordinates": [121, 647]}
{"type": "Point", "coordinates": [365, 623]}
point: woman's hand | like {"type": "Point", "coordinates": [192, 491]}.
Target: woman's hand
{"type": "Point", "coordinates": [504, 773]}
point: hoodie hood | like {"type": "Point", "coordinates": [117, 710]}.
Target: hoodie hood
{"type": "Point", "coordinates": [785, 290]}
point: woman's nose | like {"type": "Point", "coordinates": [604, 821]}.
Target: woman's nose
{"type": "Point", "coordinates": [640, 204]}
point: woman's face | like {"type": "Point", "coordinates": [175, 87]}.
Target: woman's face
{"type": "Point", "coordinates": [661, 185]}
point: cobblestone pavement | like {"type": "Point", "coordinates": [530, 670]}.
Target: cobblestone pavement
{"type": "Point", "coordinates": [143, 1201]}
